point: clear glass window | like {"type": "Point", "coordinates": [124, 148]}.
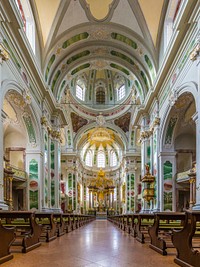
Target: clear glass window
{"type": "Point", "coordinates": [101, 159]}
{"type": "Point", "coordinates": [79, 92]}
{"type": "Point", "coordinates": [121, 92]}
{"type": "Point", "coordinates": [88, 159]}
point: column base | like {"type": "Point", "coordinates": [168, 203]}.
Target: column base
{"type": "Point", "coordinates": [156, 210]}
{"type": "Point", "coordinates": [146, 211]}
{"type": "Point", "coordinates": [56, 210]}
{"type": "Point", "coordinates": [3, 205]}
{"type": "Point", "coordinates": [196, 206]}
{"type": "Point", "coordinates": [46, 209]}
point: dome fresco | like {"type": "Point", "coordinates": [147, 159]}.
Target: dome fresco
{"type": "Point", "coordinates": [100, 88]}
{"type": "Point", "coordinates": [98, 142]}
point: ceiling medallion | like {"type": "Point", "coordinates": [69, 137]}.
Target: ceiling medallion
{"type": "Point", "coordinates": [100, 120]}
{"type": "Point", "coordinates": [99, 64]}
{"type": "Point", "coordinates": [102, 33]}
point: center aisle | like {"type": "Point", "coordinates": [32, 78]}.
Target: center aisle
{"type": "Point", "coordinates": [94, 245]}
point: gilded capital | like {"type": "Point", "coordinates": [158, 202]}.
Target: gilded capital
{"type": "Point", "coordinates": [156, 122]}
{"type": "Point", "coordinates": [196, 51]}
{"type": "Point", "coordinates": [145, 134]}
{"type": "Point", "coordinates": [4, 56]}
{"type": "Point", "coordinates": [43, 121]}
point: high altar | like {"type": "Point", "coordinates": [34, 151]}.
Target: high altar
{"type": "Point", "coordinates": [101, 193]}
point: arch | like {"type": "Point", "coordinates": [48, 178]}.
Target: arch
{"type": "Point", "coordinates": [8, 85]}
{"type": "Point", "coordinates": [118, 131]}
{"type": "Point", "coordinates": [189, 87]}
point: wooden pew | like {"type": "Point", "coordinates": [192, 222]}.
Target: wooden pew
{"type": "Point", "coordinates": [7, 236]}
{"type": "Point", "coordinates": [27, 231]}
{"type": "Point", "coordinates": [49, 228]}
{"type": "Point", "coordinates": [67, 221]}
{"type": "Point", "coordinates": [127, 227]}
{"type": "Point", "coordinates": [60, 224]}
{"type": "Point", "coordinates": [161, 231]}
{"type": "Point", "coordinates": [183, 241]}
{"type": "Point", "coordinates": [143, 221]}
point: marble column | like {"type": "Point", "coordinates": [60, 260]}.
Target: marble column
{"type": "Point", "coordinates": [195, 56]}
{"type": "Point", "coordinates": [155, 169]}
{"type": "Point", "coordinates": [57, 170]}
{"type": "Point", "coordinates": [3, 58]}
{"type": "Point", "coordinates": [90, 198]}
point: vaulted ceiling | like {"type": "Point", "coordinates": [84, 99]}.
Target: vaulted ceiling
{"type": "Point", "coordinates": [85, 38]}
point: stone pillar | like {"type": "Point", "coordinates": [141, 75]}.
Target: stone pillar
{"type": "Point", "coordinates": [167, 166]}
{"type": "Point", "coordinates": [194, 56]}
{"type": "Point", "coordinates": [113, 198]}
{"type": "Point", "coordinates": [90, 199]}
{"type": "Point", "coordinates": [46, 130]}
{"type": "Point", "coordinates": [155, 167]}
{"type": "Point", "coordinates": [56, 168]}
{"type": "Point", "coordinates": [3, 57]}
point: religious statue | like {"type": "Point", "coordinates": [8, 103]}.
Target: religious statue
{"type": "Point", "coordinates": [101, 173]}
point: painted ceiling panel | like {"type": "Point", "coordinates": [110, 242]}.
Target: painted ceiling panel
{"type": "Point", "coordinates": [74, 15]}
{"type": "Point", "coordinates": [46, 14]}
{"type": "Point", "coordinates": [152, 11]}
{"type": "Point", "coordinates": [125, 16]}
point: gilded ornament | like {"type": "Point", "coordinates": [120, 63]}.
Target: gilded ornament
{"type": "Point", "coordinates": [4, 56]}
{"type": "Point", "coordinates": [195, 52]}
{"type": "Point", "coordinates": [44, 121]}
{"type": "Point", "coordinates": [100, 34]}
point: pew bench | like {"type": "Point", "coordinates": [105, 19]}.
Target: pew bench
{"type": "Point", "coordinates": [68, 222]}
{"type": "Point", "coordinates": [27, 231]}
{"type": "Point", "coordinates": [49, 227]}
{"type": "Point", "coordinates": [7, 236]}
{"type": "Point", "coordinates": [60, 224]}
{"type": "Point", "coordinates": [161, 231]}
{"type": "Point", "coordinates": [142, 222]}
{"type": "Point", "coordinates": [184, 241]}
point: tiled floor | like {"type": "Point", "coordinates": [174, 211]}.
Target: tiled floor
{"type": "Point", "coordinates": [94, 245]}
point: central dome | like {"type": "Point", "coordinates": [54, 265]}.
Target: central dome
{"type": "Point", "coordinates": [100, 88]}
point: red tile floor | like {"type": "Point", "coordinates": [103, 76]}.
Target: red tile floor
{"type": "Point", "coordinates": [94, 245]}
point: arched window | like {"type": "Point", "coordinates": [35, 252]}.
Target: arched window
{"type": "Point", "coordinates": [88, 158]}
{"type": "Point", "coordinates": [113, 159]}
{"type": "Point", "coordinates": [121, 92]}
{"type": "Point", "coordinates": [28, 20]}
{"type": "Point", "coordinates": [80, 92]}
{"type": "Point", "coordinates": [101, 159]}
{"type": "Point", "coordinates": [172, 12]}
{"type": "Point", "coordinates": [100, 95]}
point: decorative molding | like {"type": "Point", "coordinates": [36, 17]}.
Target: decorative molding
{"type": "Point", "coordinates": [100, 33]}
{"type": "Point", "coordinates": [4, 56]}
{"type": "Point", "coordinates": [27, 96]}
{"type": "Point", "coordinates": [100, 120]}
{"type": "Point", "coordinates": [145, 135]}
{"type": "Point", "coordinates": [196, 51]}
{"type": "Point", "coordinates": [173, 97]}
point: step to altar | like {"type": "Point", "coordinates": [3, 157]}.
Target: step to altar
{"type": "Point", "coordinates": [101, 215]}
